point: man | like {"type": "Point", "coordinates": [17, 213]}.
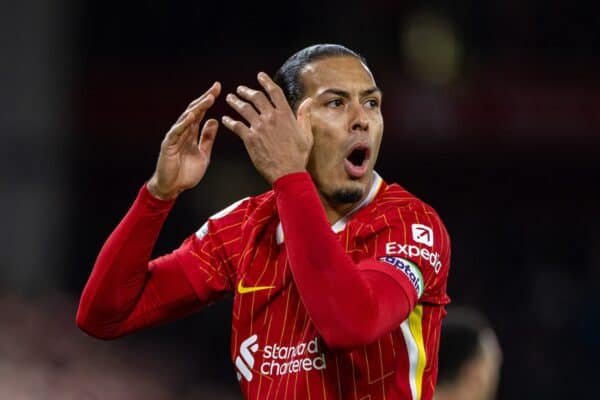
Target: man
{"type": "Point", "coordinates": [339, 278]}
{"type": "Point", "coordinates": [470, 357]}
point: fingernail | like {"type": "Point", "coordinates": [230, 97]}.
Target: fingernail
{"type": "Point", "coordinates": [261, 76]}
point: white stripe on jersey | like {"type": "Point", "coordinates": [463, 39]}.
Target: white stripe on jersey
{"type": "Point", "coordinates": [204, 228]}
{"type": "Point", "coordinates": [413, 357]}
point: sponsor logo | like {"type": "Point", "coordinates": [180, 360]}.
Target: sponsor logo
{"type": "Point", "coordinates": [249, 289]}
{"type": "Point", "coordinates": [422, 234]}
{"type": "Point", "coordinates": [246, 362]}
{"type": "Point", "coordinates": [410, 270]}
{"type": "Point", "coordinates": [410, 250]}
{"type": "Point", "coordinates": [279, 360]}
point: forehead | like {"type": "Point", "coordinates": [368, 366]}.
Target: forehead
{"type": "Point", "coordinates": [340, 72]}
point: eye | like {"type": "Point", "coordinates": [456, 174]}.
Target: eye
{"type": "Point", "coordinates": [335, 103]}
{"type": "Point", "coordinates": [372, 103]}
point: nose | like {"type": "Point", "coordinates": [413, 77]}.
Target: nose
{"type": "Point", "coordinates": [358, 118]}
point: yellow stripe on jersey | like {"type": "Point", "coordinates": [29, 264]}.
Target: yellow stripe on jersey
{"type": "Point", "coordinates": [412, 330]}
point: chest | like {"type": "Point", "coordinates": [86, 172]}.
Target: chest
{"type": "Point", "coordinates": [266, 297]}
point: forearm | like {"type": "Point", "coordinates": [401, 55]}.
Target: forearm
{"type": "Point", "coordinates": [349, 305]}
{"type": "Point", "coordinates": [121, 268]}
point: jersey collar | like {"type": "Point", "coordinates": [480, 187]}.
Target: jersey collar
{"type": "Point", "coordinates": [340, 225]}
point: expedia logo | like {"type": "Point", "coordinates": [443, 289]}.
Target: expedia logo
{"type": "Point", "coordinates": [410, 270]}
{"type": "Point", "coordinates": [422, 234]}
{"type": "Point", "coordinates": [410, 250]}
{"type": "Point", "coordinates": [279, 360]}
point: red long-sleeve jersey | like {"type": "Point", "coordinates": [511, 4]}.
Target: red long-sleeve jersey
{"type": "Point", "coordinates": [321, 312]}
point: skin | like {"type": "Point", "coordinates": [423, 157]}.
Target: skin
{"type": "Point", "coordinates": [341, 107]}
{"type": "Point", "coordinates": [183, 159]}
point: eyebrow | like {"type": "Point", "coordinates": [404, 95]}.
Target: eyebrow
{"type": "Point", "coordinates": [345, 94]}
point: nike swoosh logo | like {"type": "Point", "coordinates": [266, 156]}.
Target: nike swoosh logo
{"type": "Point", "coordinates": [249, 289]}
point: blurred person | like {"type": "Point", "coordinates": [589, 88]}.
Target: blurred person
{"type": "Point", "coordinates": [339, 278]}
{"type": "Point", "coordinates": [469, 357]}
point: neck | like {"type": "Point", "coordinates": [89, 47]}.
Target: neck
{"type": "Point", "coordinates": [336, 211]}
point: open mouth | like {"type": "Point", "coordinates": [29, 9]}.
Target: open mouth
{"type": "Point", "coordinates": [358, 156]}
{"type": "Point", "coordinates": [357, 161]}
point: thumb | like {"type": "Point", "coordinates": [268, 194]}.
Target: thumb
{"type": "Point", "coordinates": [304, 115]}
{"type": "Point", "coordinates": [207, 137]}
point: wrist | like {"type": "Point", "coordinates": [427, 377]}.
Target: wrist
{"type": "Point", "coordinates": [153, 189]}
{"type": "Point", "coordinates": [153, 202]}
{"type": "Point", "coordinates": [292, 179]}
{"type": "Point", "coordinates": [281, 174]}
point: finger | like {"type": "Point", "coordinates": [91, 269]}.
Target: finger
{"type": "Point", "coordinates": [202, 106]}
{"type": "Point", "coordinates": [237, 127]}
{"type": "Point", "coordinates": [207, 137]}
{"type": "Point", "coordinates": [258, 99]}
{"type": "Point", "coordinates": [215, 90]}
{"type": "Point", "coordinates": [243, 108]}
{"type": "Point", "coordinates": [179, 128]}
{"type": "Point", "coordinates": [273, 90]}
{"type": "Point", "coordinates": [304, 115]}
{"type": "Point", "coordinates": [190, 135]}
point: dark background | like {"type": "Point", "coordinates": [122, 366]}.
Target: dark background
{"type": "Point", "coordinates": [492, 114]}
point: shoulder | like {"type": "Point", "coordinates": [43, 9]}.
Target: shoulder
{"type": "Point", "coordinates": [405, 231]}
{"type": "Point", "coordinates": [240, 214]}
{"type": "Point", "coordinates": [402, 223]}
{"type": "Point", "coordinates": [394, 205]}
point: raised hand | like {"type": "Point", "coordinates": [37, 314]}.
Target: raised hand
{"type": "Point", "coordinates": [183, 157]}
{"type": "Point", "coordinates": [278, 142]}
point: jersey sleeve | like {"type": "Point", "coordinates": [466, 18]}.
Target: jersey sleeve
{"type": "Point", "coordinates": [413, 245]}
{"type": "Point", "coordinates": [349, 302]}
{"type": "Point", "coordinates": [126, 291]}
{"type": "Point", "coordinates": [209, 256]}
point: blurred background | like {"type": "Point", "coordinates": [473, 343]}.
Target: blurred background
{"type": "Point", "coordinates": [492, 113]}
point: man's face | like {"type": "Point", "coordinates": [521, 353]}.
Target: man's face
{"type": "Point", "coordinates": [347, 125]}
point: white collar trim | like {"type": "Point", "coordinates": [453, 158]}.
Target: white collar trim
{"type": "Point", "coordinates": [340, 225]}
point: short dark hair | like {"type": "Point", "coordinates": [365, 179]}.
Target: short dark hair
{"type": "Point", "coordinates": [460, 341]}
{"type": "Point", "coordinates": [288, 75]}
